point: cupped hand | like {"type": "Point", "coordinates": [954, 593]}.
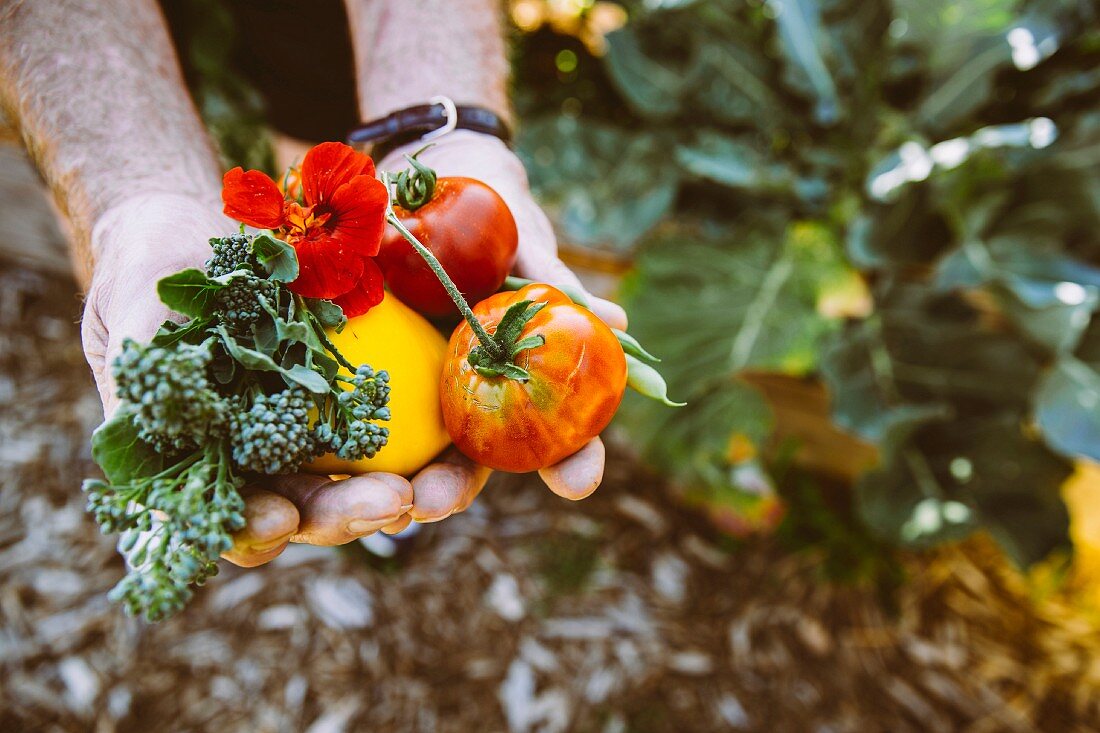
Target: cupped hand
{"type": "Point", "coordinates": [144, 239]}
{"type": "Point", "coordinates": [137, 243]}
{"type": "Point", "coordinates": [450, 486]}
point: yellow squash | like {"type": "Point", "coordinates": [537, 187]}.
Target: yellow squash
{"type": "Point", "coordinates": [393, 337]}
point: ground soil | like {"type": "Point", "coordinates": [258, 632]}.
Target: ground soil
{"type": "Point", "coordinates": [527, 613]}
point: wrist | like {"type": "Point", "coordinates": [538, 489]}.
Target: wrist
{"type": "Point", "coordinates": [460, 153]}
{"type": "Point", "coordinates": [424, 122]}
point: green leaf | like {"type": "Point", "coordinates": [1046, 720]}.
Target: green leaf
{"type": "Point", "coordinates": [690, 444]}
{"type": "Point", "coordinates": [224, 368]}
{"type": "Point", "coordinates": [327, 313]}
{"type": "Point", "coordinates": [603, 187]}
{"type": "Point", "coordinates": [717, 307]}
{"type": "Point", "coordinates": [190, 292]}
{"type": "Point", "coordinates": [511, 371]}
{"type": "Point", "coordinates": [329, 367]}
{"type": "Point", "coordinates": [929, 354]}
{"type": "Point", "coordinates": [956, 476]}
{"type": "Point", "coordinates": [277, 257]}
{"type": "Point", "coordinates": [908, 231]}
{"type": "Point", "coordinates": [964, 47]}
{"type": "Point", "coordinates": [804, 46]}
{"type": "Point", "coordinates": [733, 163]}
{"type": "Point", "coordinates": [191, 332]}
{"type": "Point", "coordinates": [308, 378]}
{"type": "Point", "coordinates": [526, 343]}
{"type": "Point", "coordinates": [945, 397]}
{"type": "Point", "coordinates": [1067, 408]}
{"type": "Point", "coordinates": [246, 357]}
{"type": "Point", "coordinates": [1049, 295]}
{"type": "Point", "coordinates": [866, 398]}
{"type": "Point", "coordinates": [266, 336]}
{"type": "Point", "coordinates": [732, 77]}
{"type": "Point", "coordinates": [120, 453]}
{"type": "Point", "coordinates": [647, 83]}
{"type": "Point", "coordinates": [296, 331]}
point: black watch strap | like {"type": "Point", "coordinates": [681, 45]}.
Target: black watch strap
{"type": "Point", "coordinates": [412, 123]}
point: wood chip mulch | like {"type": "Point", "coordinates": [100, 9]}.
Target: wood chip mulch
{"type": "Point", "coordinates": [527, 613]}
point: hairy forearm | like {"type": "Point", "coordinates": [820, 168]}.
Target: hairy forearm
{"type": "Point", "coordinates": [407, 51]}
{"type": "Point", "coordinates": [95, 90]}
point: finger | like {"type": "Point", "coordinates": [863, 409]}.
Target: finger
{"type": "Point", "coordinates": [93, 337]}
{"type": "Point", "coordinates": [609, 312]}
{"type": "Point", "coordinates": [270, 520]}
{"type": "Point", "coordinates": [400, 484]}
{"type": "Point", "coordinates": [398, 526]}
{"type": "Point", "coordinates": [102, 346]}
{"type": "Point", "coordinates": [337, 512]}
{"type": "Point", "coordinates": [446, 487]}
{"type": "Point", "coordinates": [577, 476]}
{"type": "Point", "coordinates": [404, 489]}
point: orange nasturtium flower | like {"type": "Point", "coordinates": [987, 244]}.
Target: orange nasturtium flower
{"type": "Point", "coordinates": [334, 218]}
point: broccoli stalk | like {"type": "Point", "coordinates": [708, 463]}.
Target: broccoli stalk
{"type": "Point", "coordinates": [175, 524]}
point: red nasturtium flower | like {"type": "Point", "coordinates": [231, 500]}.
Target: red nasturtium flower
{"type": "Point", "coordinates": [333, 216]}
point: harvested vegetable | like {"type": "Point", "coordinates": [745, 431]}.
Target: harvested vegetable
{"type": "Point", "coordinates": [551, 383]}
{"type": "Point", "coordinates": [531, 376]}
{"type": "Point", "coordinates": [251, 384]}
{"type": "Point", "coordinates": [464, 223]}
{"type": "Point", "coordinates": [413, 352]}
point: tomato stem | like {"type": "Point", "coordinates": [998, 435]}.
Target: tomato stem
{"type": "Point", "coordinates": [487, 343]}
{"type": "Point", "coordinates": [416, 186]}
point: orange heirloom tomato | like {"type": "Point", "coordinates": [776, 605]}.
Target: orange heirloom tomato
{"type": "Point", "coordinates": [568, 389]}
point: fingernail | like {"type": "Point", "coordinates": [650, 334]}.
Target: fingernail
{"type": "Point", "coordinates": [406, 507]}
{"type": "Point", "coordinates": [270, 545]}
{"type": "Point", "coordinates": [362, 526]}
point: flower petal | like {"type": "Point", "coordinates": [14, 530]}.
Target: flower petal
{"type": "Point", "coordinates": [325, 270]}
{"type": "Point", "coordinates": [366, 294]}
{"type": "Point", "coordinates": [359, 215]}
{"type": "Point", "coordinates": [328, 166]}
{"type": "Point", "coordinates": [252, 197]}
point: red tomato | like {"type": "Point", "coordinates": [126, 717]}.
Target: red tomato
{"type": "Point", "coordinates": [469, 229]}
{"type": "Point", "coordinates": [577, 379]}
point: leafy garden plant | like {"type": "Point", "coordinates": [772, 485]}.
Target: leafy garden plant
{"type": "Point", "coordinates": [899, 199]}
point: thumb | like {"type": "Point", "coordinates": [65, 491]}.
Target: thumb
{"type": "Point", "coordinates": [114, 312]}
{"type": "Point", "coordinates": [539, 264]}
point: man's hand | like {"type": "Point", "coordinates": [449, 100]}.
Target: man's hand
{"type": "Point", "coordinates": [443, 489]}
{"type": "Point", "coordinates": [142, 240]}
{"type": "Point", "coordinates": [137, 243]}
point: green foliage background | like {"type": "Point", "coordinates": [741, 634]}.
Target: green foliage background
{"type": "Point", "coordinates": [753, 158]}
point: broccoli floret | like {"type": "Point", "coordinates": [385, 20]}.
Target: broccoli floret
{"type": "Point", "coordinates": [175, 526]}
{"type": "Point", "coordinates": [239, 304]}
{"type": "Point", "coordinates": [230, 254]}
{"type": "Point", "coordinates": [349, 433]}
{"type": "Point", "coordinates": [272, 435]}
{"type": "Point", "coordinates": [177, 407]}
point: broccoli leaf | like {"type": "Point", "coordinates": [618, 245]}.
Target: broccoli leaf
{"type": "Point", "coordinates": [191, 332]}
{"type": "Point", "coordinates": [327, 313]}
{"type": "Point", "coordinates": [120, 453]}
{"type": "Point", "coordinates": [248, 358]}
{"type": "Point", "coordinates": [308, 378]}
{"type": "Point", "coordinates": [277, 257]}
{"type": "Point", "coordinates": [190, 292]}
